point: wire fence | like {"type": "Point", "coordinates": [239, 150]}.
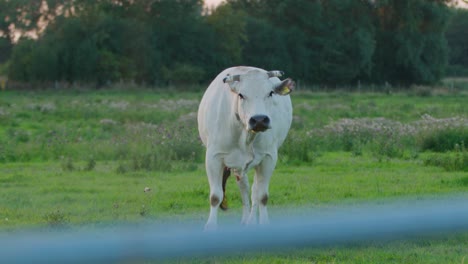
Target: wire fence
{"type": "Point", "coordinates": [383, 221]}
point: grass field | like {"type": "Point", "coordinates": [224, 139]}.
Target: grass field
{"type": "Point", "coordinates": [79, 159]}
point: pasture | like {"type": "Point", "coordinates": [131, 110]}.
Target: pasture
{"type": "Point", "coordinates": [80, 159]}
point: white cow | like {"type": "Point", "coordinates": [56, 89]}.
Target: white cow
{"type": "Point", "coordinates": [243, 118]}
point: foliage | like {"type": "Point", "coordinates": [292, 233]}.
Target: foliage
{"type": "Point", "coordinates": [442, 134]}
{"type": "Point", "coordinates": [23, 16]}
{"type": "Point", "coordinates": [444, 139]}
{"type": "Point", "coordinates": [174, 42]}
{"type": "Point", "coordinates": [19, 70]}
{"type": "Point", "coordinates": [90, 164]}
{"type": "Point", "coordinates": [390, 139]}
{"type": "Point", "coordinates": [458, 160]}
{"type": "Point", "coordinates": [345, 44]}
{"type": "Point", "coordinates": [5, 50]}
{"type": "Point", "coordinates": [298, 148]}
{"type": "Point", "coordinates": [56, 219]}
{"type": "Point", "coordinates": [67, 164]}
{"type": "Point", "coordinates": [458, 43]}
{"type": "Point", "coordinates": [411, 47]}
{"type": "Point", "coordinates": [151, 130]}
{"type": "Point", "coordinates": [165, 147]}
{"type": "Point", "coordinates": [183, 74]}
{"type": "Point", "coordinates": [229, 26]}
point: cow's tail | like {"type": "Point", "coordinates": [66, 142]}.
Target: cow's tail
{"type": "Point", "coordinates": [226, 174]}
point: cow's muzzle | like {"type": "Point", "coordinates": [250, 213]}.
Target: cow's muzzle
{"type": "Point", "coordinates": [259, 123]}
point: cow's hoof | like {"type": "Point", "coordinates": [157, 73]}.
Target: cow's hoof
{"type": "Point", "coordinates": [224, 204]}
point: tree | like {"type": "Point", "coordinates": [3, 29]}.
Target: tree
{"type": "Point", "coordinates": [91, 46]}
{"type": "Point", "coordinates": [330, 42]}
{"type": "Point", "coordinates": [457, 41]}
{"type": "Point", "coordinates": [265, 46]}
{"type": "Point", "coordinates": [30, 17]}
{"type": "Point", "coordinates": [411, 47]}
{"type": "Point", "coordinates": [21, 56]}
{"type": "Point", "coordinates": [5, 49]}
{"type": "Point", "coordinates": [229, 26]}
{"type": "Point", "coordinates": [181, 37]}
{"type": "Point", "coordinates": [345, 41]}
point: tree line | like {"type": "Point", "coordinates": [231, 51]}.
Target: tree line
{"type": "Point", "coordinates": [323, 42]}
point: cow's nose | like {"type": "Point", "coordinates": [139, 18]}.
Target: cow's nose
{"type": "Point", "coordinates": [259, 123]}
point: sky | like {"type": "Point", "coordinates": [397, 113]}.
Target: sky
{"type": "Point", "coordinates": [212, 2]}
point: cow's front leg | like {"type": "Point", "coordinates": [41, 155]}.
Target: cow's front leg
{"type": "Point", "coordinates": [243, 183]}
{"type": "Point", "coordinates": [260, 186]}
{"type": "Point", "coordinates": [214, 170]}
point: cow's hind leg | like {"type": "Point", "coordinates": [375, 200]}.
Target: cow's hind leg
{"type": "Point", "coordinates": [214, 170]}
{"type": "Point", "coordinates": [226, 174]}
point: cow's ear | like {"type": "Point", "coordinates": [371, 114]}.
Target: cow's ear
{"type": "Point", "coordinates": [232, 81]}
{"type": "Point", "coordinates": [285, 87]}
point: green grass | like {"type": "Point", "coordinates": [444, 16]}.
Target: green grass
{"type": "Point", "coordinates": [79, 159]}
{"type": "Point", "coordinates": [31, 191]}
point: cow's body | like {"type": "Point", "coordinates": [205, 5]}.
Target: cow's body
{"type": "Point", "coordinates": [228, 127]}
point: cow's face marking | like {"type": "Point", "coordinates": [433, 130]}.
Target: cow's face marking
{"type": "Point", "coordinates": [214, 200]}
{"type": "Point", "coordinates": [264, 199]}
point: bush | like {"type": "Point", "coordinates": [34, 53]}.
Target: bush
{"type": "Point", "coordinates": [162, 147]}
{"type": "Point", "coordinates": [387, 146]}
{"type": "Point", "coordinates": [183, 74]}
{"type": "Point", "coordinates": [298, 147]}
{"type": "Point", "coordinates": [381, 136]}
{"type": "Point", "coordinates": [56, 219]}
{"type": "Point", "coordinates": [20, 61]}
{"type": "Point", "coordinates": [453, 161]}
{"type": "Point", "coordinates": [152, 162]}
{"type": "Point", "coordinates": [444, 139]}
{"type": "Point", "coordinates": [67, 164]}
{"type": "Point", "coordinates": [90, 164]}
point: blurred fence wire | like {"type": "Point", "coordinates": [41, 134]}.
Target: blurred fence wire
{"type": "Point", "coordinates": [383, 221]}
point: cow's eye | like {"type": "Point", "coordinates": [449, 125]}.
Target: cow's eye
{"type": "Point", "coordinates": [271, 94]}
{"type": "Point", "coordinates": [241, 96]}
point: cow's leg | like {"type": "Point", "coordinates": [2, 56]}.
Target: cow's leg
{"type": "Point", "coordinates": [226, 174]}
{"type": "Point", "coordinates": [262, 177]}
{"type": "Point", "coordinates": [214, 170]}
{"type": "Point", "coordinates": [243, 183]}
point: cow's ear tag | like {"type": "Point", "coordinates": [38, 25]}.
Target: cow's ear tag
{"type": "Point", "coordinates": [285, 87]}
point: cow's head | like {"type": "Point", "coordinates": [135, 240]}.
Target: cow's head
{"type": "Point", "coordinates": [255, 92]}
